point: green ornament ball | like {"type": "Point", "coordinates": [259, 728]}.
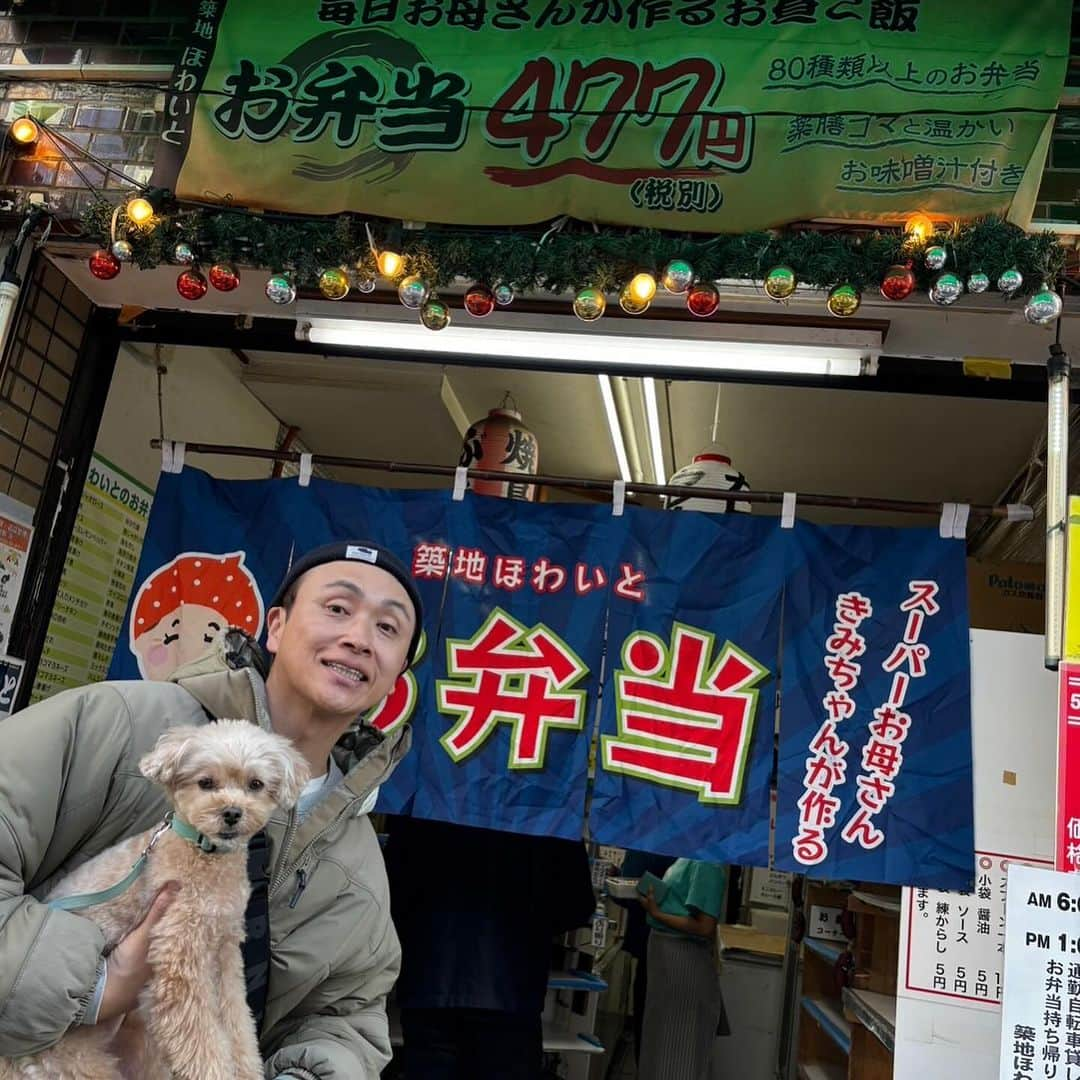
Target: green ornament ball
{"type": "Point", "coordinates": [780, 282]}
{"type": "Point", "coordinates": [589, 304]}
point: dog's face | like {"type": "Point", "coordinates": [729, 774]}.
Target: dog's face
{"type": "Point", "coordinates": [226, 778]}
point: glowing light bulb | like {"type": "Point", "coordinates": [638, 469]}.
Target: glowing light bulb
{"type": "Point", "coordinates": [390, 264]}
{"type": "Point", "coordinates": [643, 287]}
{"type": "Point", "coordinates": [919, 228]}
{"type": "Point", "coordinates": [24, 131]}
{"type": "Point", "coordinates": [139, 211]}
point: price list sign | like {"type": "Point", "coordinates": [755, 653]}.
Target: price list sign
{"type": "Point", "coordinates": [1040, 1023]}
{"type": "Point", "coordinates": [98, 574]}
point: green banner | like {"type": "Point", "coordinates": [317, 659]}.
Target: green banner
{"type": "Point", "coordinates": [711, 115]}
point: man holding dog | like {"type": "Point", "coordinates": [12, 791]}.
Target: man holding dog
{"type": "Point", "coordinates": [322, 953]}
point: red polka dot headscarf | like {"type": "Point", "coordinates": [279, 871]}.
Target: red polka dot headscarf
{"type": "Point", "coordinates": [220, 582]}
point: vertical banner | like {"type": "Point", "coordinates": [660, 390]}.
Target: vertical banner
{"type": "Point", "coordinates": [1067, 846]}
{"type": "Point", "coordinates": [687, 717]}
{"type": "Point", "coordinates": [99, 569]}
{"type": "Point", "coordinates": [1042, 975]}
{"type": "Point", "coordinates": [875, 749]}
{"type": "Point", "coordinates": [506, 735]}
{"type": "Point", "coordinates": [16, 529]}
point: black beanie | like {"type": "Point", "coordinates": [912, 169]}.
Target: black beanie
{"type": "Point", "coordinates": [357, 551]}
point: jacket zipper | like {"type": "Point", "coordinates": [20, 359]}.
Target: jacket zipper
{"type": "Point", "coordinates": [301, 885]}
{"type": "Point", "coordinates": [283, 857]}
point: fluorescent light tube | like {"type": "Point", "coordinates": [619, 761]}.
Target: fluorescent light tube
{"type": "Point", "coordinates": [652, 420]}
{"type": "Point", "coordinates": [588, 349]}
{"type": "Point", "coordinates": [613, 426]}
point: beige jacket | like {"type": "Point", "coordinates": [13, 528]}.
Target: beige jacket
{"type": "Point", "coordinates": [70, 787]}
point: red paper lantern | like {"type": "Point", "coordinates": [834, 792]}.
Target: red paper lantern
{"type": "Point", "coordinates": [223, 277]}
{"type": "Point", "coordinates": [702, 300]}
{"type": "Point", "coordinates": [104, 265]}
{"type": "Point", "coordinates": [191, 285]}
{"type": "Point", "coordinates": [502, 443]}
{"type": "Point", "coordinates": [479, 301]}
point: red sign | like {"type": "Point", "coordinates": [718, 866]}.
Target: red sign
{"type": "Point", "coordinates": [1067, 848]}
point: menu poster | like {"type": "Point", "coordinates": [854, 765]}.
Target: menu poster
{"type": "Point", "coordinates": [16, 529]}
{"type": "Point", "coordinates": [98, 574]}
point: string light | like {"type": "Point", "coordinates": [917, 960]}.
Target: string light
{"type": "Point", "coordinates": [390, 264]}
{"type": "Point", "coordinates": [643, 287]}
{"type": "Point", "coordinates": [919, 228]}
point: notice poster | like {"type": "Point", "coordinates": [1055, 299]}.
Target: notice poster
{"type": "Point", "coordinates": [11, 671]}
{"type": "Point", "coordinates": [15, 533]}
{"type": "Point", "coordinates": [98, 573]}
{"type": "Point", "coordinates": [954, 942]}
{"type": "Point", "coordinates": [1041, 1005]}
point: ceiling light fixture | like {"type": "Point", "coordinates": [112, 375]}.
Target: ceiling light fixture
{"type": "Point", "coordinates": [614, 427]}
{"type": "Point", "coordinates": [652, 422]}
{"type": "Point", "coordinates": [589, 350]}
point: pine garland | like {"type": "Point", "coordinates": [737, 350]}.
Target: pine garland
{"type": "Point", "coordinates": [533, 258]}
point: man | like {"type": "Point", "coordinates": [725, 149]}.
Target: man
{"type": "Point", "coordinates": [344, 624]}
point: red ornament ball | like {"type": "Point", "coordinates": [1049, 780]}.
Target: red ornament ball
{"type": "Point", "coordinates": [899, 282]}
{"type": "Point", "coordinates": [191, 285]}
{"type": "Point", "coordinates": [702, 300]}
{"type": "Point", "coordinates": [479, 301]}
{"type": "Point", "coordinates": [104, 265]}
{"type": "Point", "coordinates": [223, 277]}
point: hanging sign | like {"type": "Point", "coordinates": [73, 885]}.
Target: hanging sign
{"type": "Point", "coordinates": [1042, 974]}
{"type": "Point", "coordinates": [537, 613]}
{"type": "Point", "coordinates": [685, 114]}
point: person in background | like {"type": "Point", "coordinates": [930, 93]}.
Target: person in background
{"type": "Point", "coordinates": [636, 936]}
{"type": "Point", "coordinates": [475, 911]}
{"type": "Point", "coordinates": [683, 1004]}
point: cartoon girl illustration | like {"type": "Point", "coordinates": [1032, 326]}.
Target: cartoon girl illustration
{"type": "Point", "coordinates": [184, 605]}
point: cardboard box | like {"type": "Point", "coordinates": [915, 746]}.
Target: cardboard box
{"type": "Point", "coordinates": [1007, 596]}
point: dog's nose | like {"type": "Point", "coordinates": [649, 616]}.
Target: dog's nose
{"type": "Point", "coordinates": [231, 815]}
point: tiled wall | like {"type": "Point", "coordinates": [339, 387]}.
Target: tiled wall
{"type": "Point", "coordinates": [117, 124]}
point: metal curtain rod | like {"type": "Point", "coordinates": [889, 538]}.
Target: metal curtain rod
{"type": "Point", "coordinates": [1013, 512]}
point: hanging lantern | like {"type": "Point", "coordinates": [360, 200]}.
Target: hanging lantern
{"type": "Point", "coordinates": [978, 282]}
{"type": "Point", "coordinates": [678, 276]}
{"type": "Point", "coordinates": [589, 304]}
{"type": "Point", "coordinates": [642, 288]}
{"type": "Point", "coordinates": [183, 254]}
{"type": "Point", "coordinates": [435, 315]}
{"type": "Point", "coordinates": [334, 283]}
{"type": "Point", "coordinates": [504, 294]}
{"type": "Point", "coordinates": [280, 289]}
{"type": "Point", "coordinates": [843, 301]}
{"type": "Point", "coordinates": [479, 301]}
{"type": "Point", "coordinates": [946, 289]}
{"type": "Point", "coordinates": [898, 283]}
{"type": "Point", "coordinates": [122, 250]}
{"type": "Point", "coordinates": [702, 300]}
{"type": "Point", "coordinates": [918, 228]}
{"type": "Point", "coordinates": [413, 292]}
{"type": "Point", "coordinates": [191, 285]}
{"type": "Point", "coordinates": [223, 277]}
{"type": "Point", "coordinates": [104, 265]}
{"type": "Point", "coordinates": [140, 211]}
{"type": "Point", "coordinates": [1042, 307]}
{"type": "Point", "coordinates": [780, 282]}
{"type": "Point", "coordinates": [502, 443]}
{"type": "Point", "coordinates": [390, 264]}
{"type": "Point", "coordinates": [711, 468]}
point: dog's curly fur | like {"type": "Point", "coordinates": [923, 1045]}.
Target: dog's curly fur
{"type": "Point", "coordinates": [193, 1022]}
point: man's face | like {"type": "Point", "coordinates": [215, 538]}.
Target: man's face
{"type": "Point", "coordinates": [344, 641]}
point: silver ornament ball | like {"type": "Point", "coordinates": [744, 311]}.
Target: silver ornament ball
{"type": "Point", "coordinates": [935, 257]}
{"type": "Point", "coordinates": [121, 250]}
{"type": "Point", "coordinates": [504, 295]}
{"type": "Point", "coordinates": [280, 289]}
{"type": "Point", "coordinates": [678, 276]}
{"type": "Point", "coordinates": [1042, 307]}
{"type": "Point", "coordinates": [946, 289]}
{"type": "Point", "coordinates": [413, 291]}
{"type": "Point", "coordinates": [1010, 281]}
{"type": "Point", "coordinates": [183, 254]}
{"type": "Point", "coordinates": [978, 282]}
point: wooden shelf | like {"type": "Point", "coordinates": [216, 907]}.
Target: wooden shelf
{"type": "Point", "coordinates": [827, 950]}
{"type": "Point", "coordinates": [876, 1013]}
{"type": "Point", "coordinates": [817, 1071]}
{"type": "Point", "coordinates": [831, 1021]}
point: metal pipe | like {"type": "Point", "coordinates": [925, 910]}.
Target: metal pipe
{"type": "Point", "coordinates": [1057, 497]}
{"type": "Point", "coordinates": [579, 483]}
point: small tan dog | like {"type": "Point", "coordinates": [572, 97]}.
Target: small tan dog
{"type": "Point", "coordinates": [224, 780]}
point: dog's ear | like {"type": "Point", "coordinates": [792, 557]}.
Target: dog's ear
{"type": "Point", "coordinates": [162, 764]}
{"type": "Point", "coordinates": [293, 774]}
